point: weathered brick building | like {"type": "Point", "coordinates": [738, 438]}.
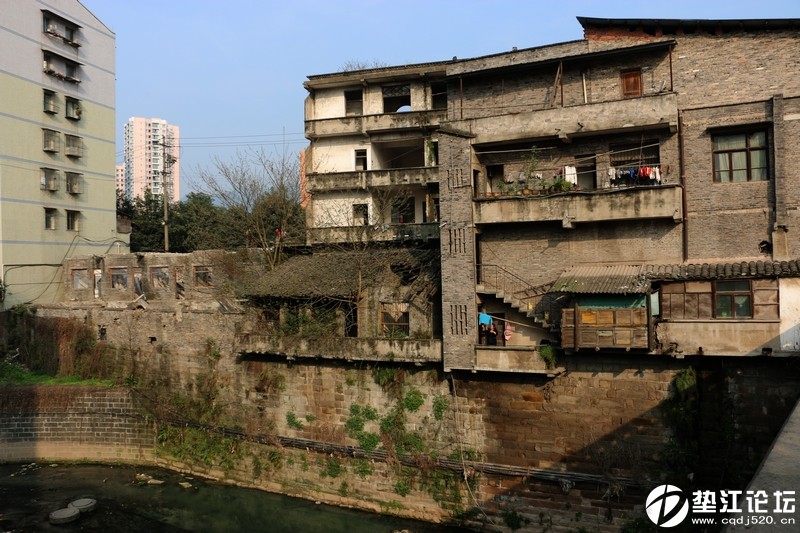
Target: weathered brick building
{"type": "Point", "coordinates": [629, 191]}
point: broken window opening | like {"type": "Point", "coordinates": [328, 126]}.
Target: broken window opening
{"type": "Point", "coordinates": [439, 95]}
{"type": "Point", "coordinates": [119, 278]}
{"type": "Point", "coordinates": [403, 210]}
{"type": "Point", "coordinates": [361, 159]}
{"type": "Point", "coordinates": [354, 102]}
{"type": "Point", "coordinates": [396, 98]}
{"type": "Point", "coordinates": [395, 319]}
{"type": "Point", "coordinates": [360, 214]}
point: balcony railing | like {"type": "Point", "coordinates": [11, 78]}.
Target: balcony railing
{"type": "Point", "coordinates": [328, 127]}
{"type": "Point", "coordinates": [365, 179]}
{"type": "Point", "coordinates": [345, 348]}
{"type": "Point", "coordinates": [627, 115]}
{"type": "Point", "coordinates": [574, 207]}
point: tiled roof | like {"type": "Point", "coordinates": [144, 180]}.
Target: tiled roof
{"type": "Point", "coordinates": [636, 279]}
{"type": "Point", "coordinates": [743, 269]}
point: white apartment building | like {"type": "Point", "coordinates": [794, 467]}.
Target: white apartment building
{"type": "Point", "coordinates": [152, 154]}
{"type": "Point", "coordinates": [57, 146]}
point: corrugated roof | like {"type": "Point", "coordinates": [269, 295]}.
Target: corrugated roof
{"type": "Point", "coordinates": [636, 279]}
{"type": "Point", "coordinates": [602, 279]}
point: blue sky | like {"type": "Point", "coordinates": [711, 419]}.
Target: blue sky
{"type": "Point", "coordinates": [230, 73]}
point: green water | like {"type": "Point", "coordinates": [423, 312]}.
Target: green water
{"type": "Point", "coordinates": [29, 493]}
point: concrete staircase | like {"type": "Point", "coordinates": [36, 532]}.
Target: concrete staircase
{"type": "Point", "coordinates": [532, 301]}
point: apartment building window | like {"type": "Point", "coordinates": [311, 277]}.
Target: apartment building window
{"type": "Point", "coordinates": [73, 108]}
{"type": "Point", "coordinates": [360, 214]}
{"type": "Point", "coordinates": [50, 216]}
{"type": "Point", "coordinates": [49, 179]}
{"type": "Point", "coordinates": [203, 276]}
{"type": "Point", "coordinates": [74, 146]}
{"type": "Point", "coordinates": [119, 278]}
{"type": "Point", "coordinates": [631, 81]}
{"type": "Point", "coordinates": [733, 299]}
{"type": "Point", "coordinates": [740, 157]}
{"type": "Point", "coordinates": [361, 160]}
{"type": "Point", "coordinates": [632, 155]}
{"type": "Point", "coordinates": [395, 319]}
{"type": "Point", "coordinates": [59, 27]}
{"type": "Point", "coordinates": [73, 220]}
{"type": "Point", "coordinates": [80, 278]}
{"type": "Point", "coordinates": [396, 98]}
{"type": "Point", "coordinates": [61, 67]}
{"type": "Point", "coordinates": [50, 102]}
{"type": "Point", "coordinates": [73, 180]}
{"type": "Point", "coordinates": [439, 95]}
{"type": "Point", "coordinates": [49, 140]}
{"type": "Point", "coordinates": [354, 102]}
{"type": "Point", "coordinates": [403, 211]}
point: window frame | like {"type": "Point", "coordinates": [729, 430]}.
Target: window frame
{"type": "Point", "coordinates": [72, 108]}
{"type": "Point", "coordinates": [360, 155]}
{"type": "Point", "coordinates": [80, 279]}
{"type": "Point", "coordinates": [203, 276]}
{"type": "Point", "coordinates": [50, 140]}
{"type": "Point", "coordinates": [160, 273]}
{"type": "Point", "coordinates": [119, 277]}
{"type": "Point", "coordinates": [73, 220]}
{"type": "Point", "coordinates": [353, 102]}
{"type": "Point", "coordinates": [50, 102]}
{"type": "Point", "coordinates": [748, 152]}
{"type": "Point", "coordinates": [49, 179]}
{"type": "Point", "coordinates": [73, 145]}
{"type": "Point", "coordinates": [73, 182]}
{"type": "Point", "coordinates": [731, 294]}
{"type": "Point", "coordinates": [50, 218]}
{"type": "Point", "coordinates": [395, 97]}
{"type": "Point", "coordinates": [396, 327]}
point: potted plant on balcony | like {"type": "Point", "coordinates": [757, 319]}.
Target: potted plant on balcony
{"type": "Point", "coordinates": [533, 176]}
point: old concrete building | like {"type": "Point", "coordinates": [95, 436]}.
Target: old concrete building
{"type": "Point", "coordinates": [630, 191]}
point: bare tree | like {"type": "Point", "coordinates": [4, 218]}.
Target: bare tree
{"type": "Point", "coordinates": [263, 189]}
{"type": "Point", "coordinates": [355, 64]}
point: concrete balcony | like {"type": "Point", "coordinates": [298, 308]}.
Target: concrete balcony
{"type": "Point", "coordinates": [366, 179]}
{"type": "Point", "coordinates": [365, 124]}
{"type": "Point", "coordinates": [634, 203]}
{"type": "Point", "coordinates": [632, 114]}
{"type": "Point", "coordinates": [344, 348]}
{"type": "Point", "coordinates": [513, 359]}
{"type": "Point", "coordinates": [376, 233]}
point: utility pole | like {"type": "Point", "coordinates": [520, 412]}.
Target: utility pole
{"type": "Point", "coordinates": [165, 174]}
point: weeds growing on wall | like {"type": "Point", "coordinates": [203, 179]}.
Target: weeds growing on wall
{"type": "Point", "coordinates": [199, 446]}
{"type": "Point", "coordinates": [680, 453]}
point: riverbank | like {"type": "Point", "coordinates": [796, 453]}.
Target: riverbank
{"type": "Point", "coordinates": [127, 503]}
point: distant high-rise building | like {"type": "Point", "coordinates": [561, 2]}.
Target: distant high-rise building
{"type": "Point", "coordinates": [152, 148]}
{"type": "Point", "coordinates": [56, 146]}
{"type": "Point", "coordinates": [119, 177]}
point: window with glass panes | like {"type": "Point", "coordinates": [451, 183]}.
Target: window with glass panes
{"type": "Point", "coordinates": [733, 299]}
{"type": "Point", "coordinates": [740, 157]}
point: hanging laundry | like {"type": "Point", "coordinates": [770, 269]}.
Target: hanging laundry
{"type": "Point", "coordinates": [571, 174]}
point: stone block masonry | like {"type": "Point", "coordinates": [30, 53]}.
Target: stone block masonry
{"type": "Point", "coordinates": [73, 423]}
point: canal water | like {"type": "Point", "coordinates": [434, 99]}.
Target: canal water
{"type": "Point", "coordinates": [126, 502]}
